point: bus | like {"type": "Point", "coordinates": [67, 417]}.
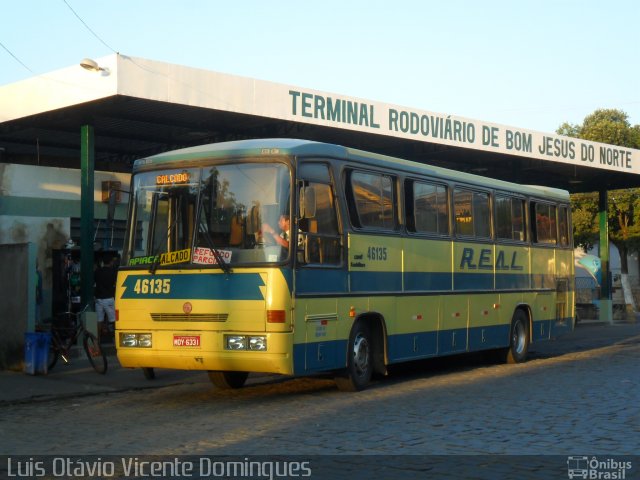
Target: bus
{"type": "Point", "coordinates": [295, 257]}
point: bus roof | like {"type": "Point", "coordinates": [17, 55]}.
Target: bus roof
{"type": "Point", "coordinates": [306, 148]}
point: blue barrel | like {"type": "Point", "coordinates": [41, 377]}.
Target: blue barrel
{"type": "Point", "coordinates": [36, 352]}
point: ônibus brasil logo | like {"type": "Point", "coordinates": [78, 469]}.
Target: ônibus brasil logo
{"type": "Point", "coordinates": [595, 468]}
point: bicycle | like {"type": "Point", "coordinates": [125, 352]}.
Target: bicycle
{"type": "Point", "coordinates": [64, 337]}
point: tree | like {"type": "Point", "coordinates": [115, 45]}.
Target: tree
{"type": "Point", "coordinates": [608, 126]}
{"type": "Point", "coordinates": [612, 127]}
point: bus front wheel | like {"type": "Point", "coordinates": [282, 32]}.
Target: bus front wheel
{"type": "Point", "coordinates": [518, 338]}
{"type": "Point", "coordinates": [359, 360]}
{"type": "Point", "coordinates": [228, 380]}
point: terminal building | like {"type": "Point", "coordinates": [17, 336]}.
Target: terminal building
{"type": "Point", "coordinates": [68, 140]}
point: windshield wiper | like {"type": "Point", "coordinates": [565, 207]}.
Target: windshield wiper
{"type": "Point", "coordinates": [224, 266]}
{"type": "Point", "coordinates": [156, 255]}
{"type": "Point", "coordinates": [156, 197]}
{"type": "Point", "coordinates": [155, 264]}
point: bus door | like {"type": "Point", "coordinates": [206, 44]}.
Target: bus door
{"type": "Point", "coordinates": [319, 277]}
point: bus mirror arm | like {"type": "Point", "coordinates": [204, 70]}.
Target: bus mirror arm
{"type": "Point", "coordinates": [302, 252]}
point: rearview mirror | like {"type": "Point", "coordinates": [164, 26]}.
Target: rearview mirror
{"type": "Point", "coordinates": [307, 202]}
{"type": "Point", "coordinates": [111, 208]}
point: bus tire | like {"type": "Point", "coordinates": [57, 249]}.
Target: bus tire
{"type": "Point", "coordinates": [228, 380]}
{"type": "Point", "coordinates": [359, 360]}
{"type": "Point", "coordinates": [518, 338]}
{"type": "Point", "coordinates": [149, 373]}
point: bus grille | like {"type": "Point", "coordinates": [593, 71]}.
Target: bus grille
{"type": "Point", "coordinates": [192, 317]}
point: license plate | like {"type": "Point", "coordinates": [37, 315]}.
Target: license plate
{"type": "Point", "coordinates": [186, 340]}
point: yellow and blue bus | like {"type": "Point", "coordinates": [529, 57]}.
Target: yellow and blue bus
{"type": "Point", "coordinates": [299, 258]}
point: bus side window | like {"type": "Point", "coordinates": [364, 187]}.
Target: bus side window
{"type": "Point", "coordinates": [544, 223]}
{"type": "Point", "coordinates": [471, 213]}
{"type": "Point", "coordinates": [563, 226]}
{"type": "Point", "coordinates": [372, 200]}
{"type": "Point", "coordinates": [427, 207]}
{"type": "Point", "coordinates": [510, 218]}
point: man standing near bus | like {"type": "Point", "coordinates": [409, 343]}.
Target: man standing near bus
{"type": "Point", "coordinates": [105, 291]}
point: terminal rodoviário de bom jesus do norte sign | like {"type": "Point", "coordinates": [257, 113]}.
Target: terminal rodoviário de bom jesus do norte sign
{"type": "Point", "coordinates": [456, 131]}
{"type": "Point", "coordinates": [214, 90]}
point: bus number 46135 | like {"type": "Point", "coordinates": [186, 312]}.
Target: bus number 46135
{"type": "Point", "coordinates": [152, 285]}
{"type": "Point", "coordinates": [377, 253]}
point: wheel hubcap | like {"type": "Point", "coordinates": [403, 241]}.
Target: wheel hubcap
{"type": "Point", "coordinates": [519, 337]}
{"type": "Point", "coordinates": [360, 355]}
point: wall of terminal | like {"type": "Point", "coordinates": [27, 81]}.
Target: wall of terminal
{"type": "Point", "coordinates": [40, 206]}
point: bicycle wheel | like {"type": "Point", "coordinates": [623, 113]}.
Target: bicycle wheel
{"type": "Point", "coordinates": [96, 356]}
{"type": "Point", "coordinates": [53, 354]}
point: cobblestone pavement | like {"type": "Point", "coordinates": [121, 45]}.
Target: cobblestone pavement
{"type": "Point", "coordinates": [577, 395]}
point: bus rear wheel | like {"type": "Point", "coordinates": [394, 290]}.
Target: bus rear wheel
{"type": "Point", "coordinates": [359, 360]}
{"type": "Point", "coordinates": [228, 380]}
{"type": "Point", "coordinates": [518, 338]}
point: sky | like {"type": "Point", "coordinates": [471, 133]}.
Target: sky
{"type": "Point", "coordinates": [532, 64]}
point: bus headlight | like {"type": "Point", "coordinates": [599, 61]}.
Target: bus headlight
{"type": "Point", "coordinates": [258, 343]}
{"type": "Point", "coordinates": [135, 340]}
{"type": "Point", "coordinates": [128, 340]}
{"type": "Point", "coordinates": [235, 342]}
{"type": "Point", "coordinates": [243, 342]}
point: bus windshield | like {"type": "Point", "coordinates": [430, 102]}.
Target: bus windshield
{"type": "Point", "coordinates": [204, 216]}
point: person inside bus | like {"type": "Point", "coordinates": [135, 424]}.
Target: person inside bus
{"type": "Point", "coordinates": [281, 238]}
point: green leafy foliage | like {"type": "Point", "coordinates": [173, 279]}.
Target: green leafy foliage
{"type": "Point", "coordinates": [607, 126]}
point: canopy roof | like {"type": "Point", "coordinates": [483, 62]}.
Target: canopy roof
{"type": "Point", "coordinates": [140, 107]}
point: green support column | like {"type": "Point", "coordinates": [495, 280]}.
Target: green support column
{"type": "Point", "coordinates": [606, 310]}
{"type": "Point", "coordinates": [87, 156]}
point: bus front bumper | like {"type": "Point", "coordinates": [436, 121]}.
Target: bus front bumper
{"type": "Point", "coordinates": [205, 351]}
